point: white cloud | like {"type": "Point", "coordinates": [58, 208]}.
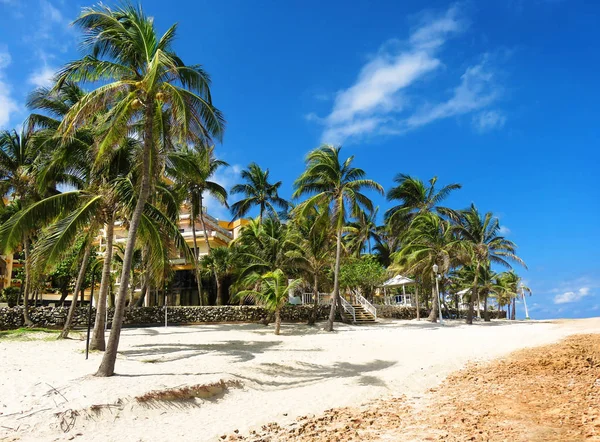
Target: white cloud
{"type": "Point", "coordinates": [226, 177]}
{"type": "Point", "coordinates": [378, 102]}
{"type": "Point", "coordinates": [49, 12]}
{"type": "Point", "coordinates": [504, 230]}
{"type": "Point", "coordinates": [42, 77]}
{"type": "Point", "coordinates": [7, 104]}
{"type": "Point", "coordinates": [489, 120]}
{"type": "Point", "coordinates": [572, 296]}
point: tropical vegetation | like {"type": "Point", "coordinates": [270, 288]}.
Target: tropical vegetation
{"type": "Point", "coordinates": [128, 136]}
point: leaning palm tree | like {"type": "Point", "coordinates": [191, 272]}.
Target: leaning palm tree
{"type": "Point", "coordinates": [141, 81]}
{"type": "Point", "coordinates": [257, 191]}
{"type": "Point", "coordinates": [415, 198]}
{"type": "Point", "coordinates": [272, 292]}
{"type": "Point", "coordinates": [482, 236]}
{"type": "Point", "coordinates": [338, 185]}
{"type": "Point", "coordinates": [194, 170]}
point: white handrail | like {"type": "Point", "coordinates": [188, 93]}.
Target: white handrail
{"type": "Point", "coordinates": [348, 308]}
{"type": "Point", "coordinates": [366, 305]}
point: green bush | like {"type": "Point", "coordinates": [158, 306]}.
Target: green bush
{"type": "Point", "coordinates": [10, 295]}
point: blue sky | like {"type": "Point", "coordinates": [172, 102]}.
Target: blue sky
{"type": "Point", "coordinates": [501, 97]}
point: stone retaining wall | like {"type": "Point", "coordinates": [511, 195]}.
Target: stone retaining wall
{"type": "Point", "coordinates": [401, 312]}
{"type": "Point", "coordinates": [53, 317]}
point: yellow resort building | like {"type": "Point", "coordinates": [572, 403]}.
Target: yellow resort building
{"type": "Point", "coordinates": [182, 288]}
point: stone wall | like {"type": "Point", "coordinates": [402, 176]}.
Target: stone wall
{"type": "Point", "coordinates": [401, 312]}
{"type": "Point", "coordinates": [53, 317]}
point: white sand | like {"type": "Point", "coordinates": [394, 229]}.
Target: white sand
{"type": "Point", "coordinates": [305, 370]}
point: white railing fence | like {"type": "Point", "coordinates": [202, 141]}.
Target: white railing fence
{"type": "Point", "coordinates": [366, 305]}
{"type": "Point", "coordinates": [348, 308]}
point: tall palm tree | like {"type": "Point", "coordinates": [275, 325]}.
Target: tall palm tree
{"type": "Point", "coordinates": [272, 292]}
{"type": "Point", "coordinates": [415, 197]}
{"type": "Point", "coordinates": [482, 236]}
{"type": "Point", "coordinates": [257, 191]}
{"type": "Point", "coordinates": [142, 80]}
{"type": "Point", "coordinates": [194, 170]}
{"type": "Point", "coordinates": [430, 240]}
{"type": "Point", "coordinates": [338, 185]}
{"type": "Point", "coordinates": [18, 158]}
{"type": "Point", "coordinates": [314, 237]}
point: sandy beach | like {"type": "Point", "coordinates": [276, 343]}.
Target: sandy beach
{"type": "Point", "coordinates": [48, 391]}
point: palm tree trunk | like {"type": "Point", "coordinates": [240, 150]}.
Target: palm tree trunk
{"type": "Point", "coordinates": [336, 282]}
{"type": "Point", "coordinates": [478, 306]}
{"type": "Point", "coordinates": [197, 257]}
{"type": "Point", "coordinates": [277, 320]}
{"type": "Point", "coordinates": [78, 284]}
{"type": "Point", "coordinates": [471, 298]}
{"type": "Point", "coordinates": [97, 342]}
{"type": "Point", "coordinates": [312, 319]}
{"type": "Point", "coordinates": [107, 367]}
{"type": "Point", "coordinates": [486, 313]}
{"type": "Point", "coordinates": [27, 250]}
{"type": "Point", "coordinates": [145, 278]}
{"type": "Point", "coordinates": [417, 299]}
{"type": "Point", "coordinates": [219, 291]}
{"type": "Point", "coordinates": [433, 314]}
{"type": "Point", "coordinates": [206, 233]}
{"type": "Point", "coordinates": [513, 312]}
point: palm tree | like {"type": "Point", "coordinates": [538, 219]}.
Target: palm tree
{"type": "Point", "coordinates": [18, 182]}
{"type": "Point", "coordinates": [339, 185]}
{"type": "Point", "coordinates": [429, 240]}
{"type": "Point", "coordinates": [482, 236]}
{"type": "Point", "coordinates": [361, 231]}
{"type": "Point", "coordinates": [257, 192]}
{"type": "Point", "coordinates": [194, 169]}
{"type": "Point", "coordinates": [416, 198]}
{"type": "Point", "coordinates": [507, 284]}
{"type": "Point", "coordinates": [273, 289]}
{"type": "Point", "coordinates": [314, 239]}
{"type": "Point", "coordinates": [387, 242]}
{"type": "Point", "coordinates": [220, 262]}
{"type": "Point", "coordinates": [142, 80]}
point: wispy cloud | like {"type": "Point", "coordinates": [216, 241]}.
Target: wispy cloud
{"type": "Point", "coordinates": [504, 231]}
{"type": "Point", "coordinates": [42, 77]}
{"type": "Point", "coordinates": [489, 120]}
{"type": "Point", "coordinates": [7, 103]}
{"type": "Point", "coordinates": [380, 102]}
{"type": "Point", "coordinates": [572, 296]}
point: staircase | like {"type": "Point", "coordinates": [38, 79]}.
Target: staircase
{"type": "Point", "coordinates": [362, 315]}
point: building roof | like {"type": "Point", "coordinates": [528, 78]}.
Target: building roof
{"type": "Point", "coordinates": [398, 281]}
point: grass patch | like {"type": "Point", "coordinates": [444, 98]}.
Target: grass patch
{"type": "Point", "coordinates": [151, 361]}
{"type": "Point", "coordinates": [29, 334]}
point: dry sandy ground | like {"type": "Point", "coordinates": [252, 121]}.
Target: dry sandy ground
{"type": "Point", "coordinates": [46, 387]}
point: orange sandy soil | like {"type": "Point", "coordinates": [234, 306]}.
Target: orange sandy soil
{"type": "Point", "coordinates": [549, 393]}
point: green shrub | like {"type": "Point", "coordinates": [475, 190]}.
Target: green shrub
{"type": "Point", "coordinates": [11, 295]}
